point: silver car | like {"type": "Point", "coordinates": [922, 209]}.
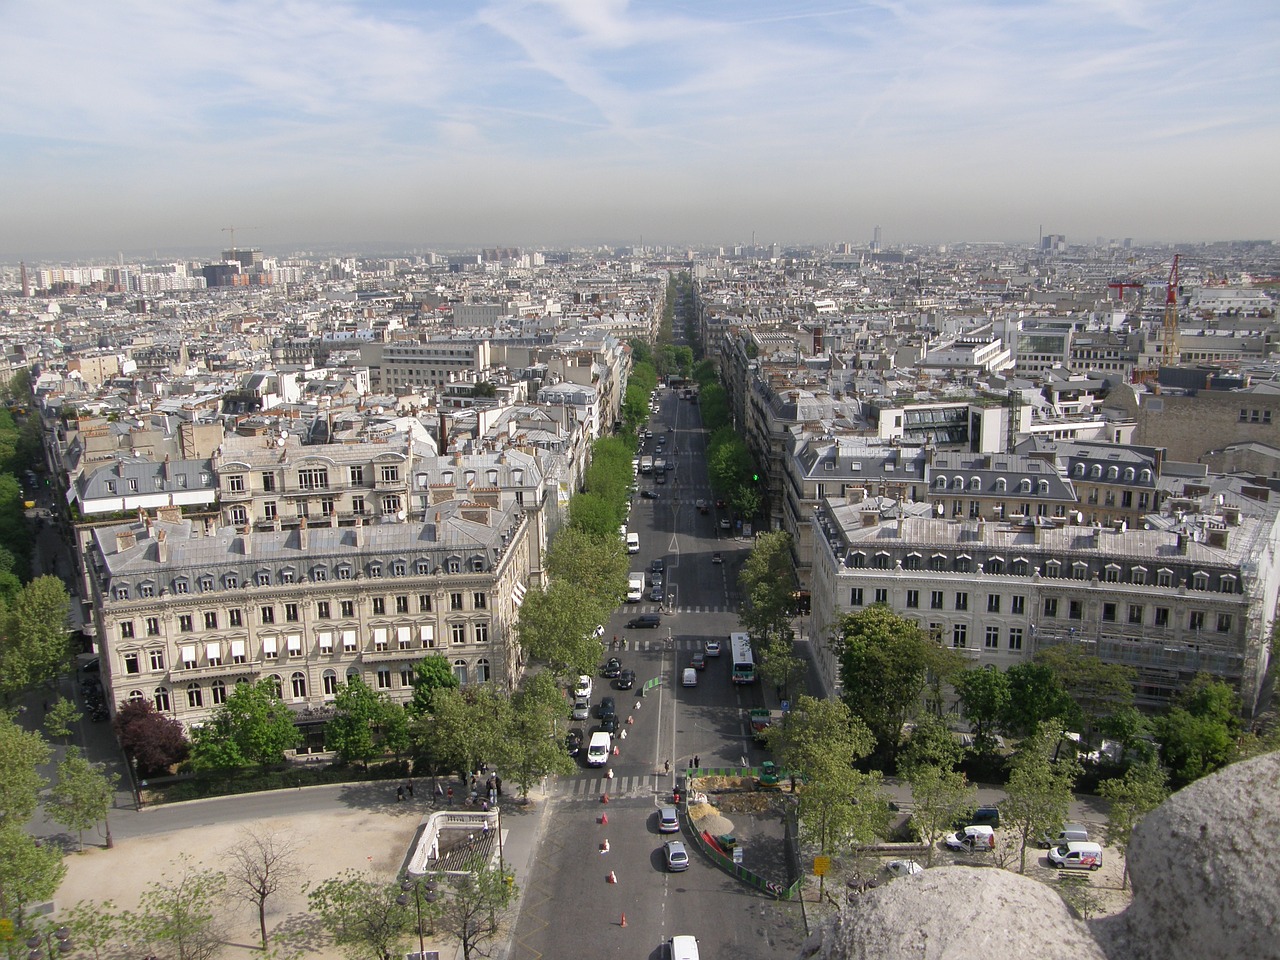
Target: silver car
{"type": "Point", "coordinates": [668, 820]}
{"type": "Point", "coordinates": [581, 709]}
{"type": "Point", "coordinates": [677, 856]}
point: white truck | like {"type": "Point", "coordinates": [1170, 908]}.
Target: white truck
{"type": "Point", "coordinates": [635, 588]}
{"type": "Point", "coordinates": [646, 464]}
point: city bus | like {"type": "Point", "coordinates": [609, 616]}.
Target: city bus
{"type": "Point", "coordinates": [744, 664]}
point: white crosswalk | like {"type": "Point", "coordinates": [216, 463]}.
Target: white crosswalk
{"type": "Point", "coordinates": [656, 608]}
{"type": "Point", "coordinates": [592, 786]}
{"type": "Point", "coordinates": [680, 645]}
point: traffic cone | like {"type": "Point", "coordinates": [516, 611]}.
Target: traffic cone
{"type": "Point", "coordinates": [604, 798]}
{"type": "Point", "coordinates": [604, 847]}
{"type": "Point", "coordinates": [615, 749]}
{"type": "Point", "coordinates": [624, 734]}
{"type": "Point", "coordinates": [604, 819]}
{"type": "Point", "coordinates": [631, 719]}
{"type": "Point", "coordinates": [612, 877]}
{"type": "Point", "coordinates": [624, 921]}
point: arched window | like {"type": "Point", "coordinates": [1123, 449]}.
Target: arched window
{"type": "Point", "coordinates": [330, 681]}
{"type": "Point", "coordinates": [135, 696]}
{"type": "Point", "coordinates": [277, 685]}
{"type": "Point", "coordinates": [1144, 476]}
{"type": "Point", "coordinates": [460, 670]}
{"type": "Point", "coordinates": [1078, 470]}
{"type": "Point", "coordinates": [1001, 484]}
{"type": "Point", "coordinates": [1199, 581]}
{"type": "Point", "coordinates": [1129, 474]}
{"type": "Point", "coordinates": [942, 483]}
{"type": "Point", "coordinates": [482, 670]}
{"type": "Point", "coordinates": [194, 697]}
{"type": "Point", "coordinates": [1024, 485]}
{"type": "Point", "coordinates": [1042, 487]}
{"type": "Point", "coordinates": [218, 692]}
{"type": "Point", "coordinates": [975, 483]}
{"type": "Point", "coordinates": [957, 483]}
{"type": "Point", "coordinates": [1113, 472]}
{"type": "Point", "coordinates": [1095, 471]}
{"type": "Point", "coordinates": [161, 698]}
{"type": "Point", "coordinates": [299, 683]}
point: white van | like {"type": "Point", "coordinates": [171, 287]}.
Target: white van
{"type": "Point", "coordinates": [684, 947]}
{"type": "Point", "coordinates": [633, 543]}
{"type": "Point", "coordinates": [635, 588]}
{"type": "Point", "coordinates": [1076, 856]}
{"type": "Point", "coordinates": [1070, 833]}
{"type": "Point", "coordinates": [977, 838]}
{"type": "Point", "coordinates": [598, 749]}
{"type": "Point", "coordinates": [689, 678]}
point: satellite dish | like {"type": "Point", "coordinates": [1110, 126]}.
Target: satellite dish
{"type": "Point", "coordinates": [284, 435]}
{"type": "Point", "coordinates": [401, 514]}
{"type": "Point", "coordinates": [279, 441]}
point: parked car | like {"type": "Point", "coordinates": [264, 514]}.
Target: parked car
{"type": "Point", "coordinates": [712, 648]}
{"type": "Point", "coordinates": [573, 742]}
{"type": "Point", "coordinates": [668, 820]}
{"type": "Point", "coordinates": [626, 679]}
{"type": "Point", "coordinates": [612, 667]}
{"type": "Point", "coordinates": [903, 868]}
{"type": "Point", "coordinates": [1076, 856]}
{"type": "Point", "coordinates": [677, 856]}
{"type": "Point", "coordinates": [581, 709]}
{"type": "Point", "coordinates": [583, 689]}
{"type": "Point", "coordinates": [702, 506]}
{"type": "Point", "coordinates": [973, 839]}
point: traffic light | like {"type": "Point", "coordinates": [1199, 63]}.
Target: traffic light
{"type": "Point", "coordinates": [755, 478]}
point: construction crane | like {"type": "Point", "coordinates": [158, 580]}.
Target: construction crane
{"type": "Point", "coordinates": [1171, 348]}
{"type": "Point", "coordinates": [1123, 285]}
{"type": "Point", "coordinates": [232, 231]}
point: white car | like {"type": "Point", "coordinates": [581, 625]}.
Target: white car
{"type": "Point", "coordinates": [903, 868]}
{"type": "Point", "coordinates": [583, 689]}
{"type": "Point", "coordinates": [599, 632]}
{"type": "Point", "coordinates": [712, 648]}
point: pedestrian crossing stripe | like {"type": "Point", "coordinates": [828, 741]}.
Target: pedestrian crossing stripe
{"type": "Point", "coordinates": [583, 788]}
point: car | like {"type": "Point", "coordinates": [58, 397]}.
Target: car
{"type": "Point", "coordinates": [712, 647]}
{"type": "Point", "coordinates": [612, 667]}
{"type": "Point", "coordinates": [657, 566]}
{"type": "Point", "coordinates": [655, 579]}
{"type": "Point", "coordinates": [725, 524]}
{"type": "Point", "coordinates": [719, 504]}
{"type": "Point", "coordinates": [671, 429]}
{"type": "Point", "coordinates": [903, 868]}
{"type": "Point", "coordinates": [699, 661]}
{"type": "Point", "coordinates": [683, 947]}
{"type": "Point", "coordinates": [677, 856]}
{"type": "Point", "coordinates": [599, 631]}
{"type": "Point", "coordinates": [608, 724]}
{"type": "Point", "coordinates": [716, 558]}
{"type": "Point", "coordinates": [645, 620]}
{"type": "Point", "coordinates": [648, 495]}
{"type": "Point", "coordinates": [701, 505]}
{"type": "Point", "coordinates": [581, 709]}
{"type": "Point", "coordinates": [573, 742]}
{"type": "Point", "coordinates": [626, 679]}
{"type": "Point", "coordinates": [656, 594]}
{"type": "Point", "coordinates": [1077, 855]}
{"type": "Point", "coordinates": [668, 820]}
{"type": "Point", "coordinates": [583, 689]}
{"type": "Point", "coordinates": [974, 839]}
{"type": "Point", "coordinates": [607, 708]}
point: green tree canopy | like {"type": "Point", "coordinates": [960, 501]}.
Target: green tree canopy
{"type": "Point", "coordinates": [597, 563]}
{"type": "Point", "coordinates": [464, 728]}
{"type": "Point", "coordinates": [363, 915]}
{"type": "Point", "coordinates": [29, 872]}
{"type": "Point", "coordinates": [531, 747]}
{"type": "Point", "coordinates": [365, 723]}
{"type": "Point", "coordinates": [35, 646]}
{"type": "Point", "coordinates": [557, 627]}
{"type": "Point", "coordinates": [984, 700]}
{"type": "Point", "coordinates": [1038, 794]}
{"type": "Point", "coordinates": [931, 743]}
{"type": "Point", "coordinates": [595, 515]}
{"type": "Point", "coordinates": [939, 798]}
{"type": "Point", "coordinates": [82, 794]}
{"type": "Point", "coordinates": [430, 674]}
{"type": "Point", "coordinates": [1036, 696]}
{"type": "Point", "coordinates": [1144, 786]}
{"type": "Point", "coordinates": [1098, 689]}
{"type": "Point", "coordinates": [254, 726]}
{"type": "Point", "coordinates": [22, 753]}
{"type": "Point", "coordinates": [474, 909]}
{"type": "Point", "coordinates": [182, 916]}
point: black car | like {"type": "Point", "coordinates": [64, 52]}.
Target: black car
{"type": "Point", "coordinates": [573, 742]}
{"type": "Point", "coordinates": [645, 620]}
{"type": "Point", "coordinates": [648, 495]}
{"type": "Point", "coordinates": [658, 566]}
{"type": "Point", "coordinates": [607, 708]}
{"type": "Point", "coordinates": [612, 667]}
{"type": "Point", "coordinates": [626, 679]}
{"type": "Point", "coordinates": [608, 724]}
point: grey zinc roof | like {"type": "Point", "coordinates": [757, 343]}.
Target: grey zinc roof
{"type": "Point", "coordinates": [152, 477]}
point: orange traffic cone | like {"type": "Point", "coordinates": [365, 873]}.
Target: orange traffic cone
{"type": "Point", "coordinates": [624, 921]}
{"type": "Point", "coordinates": [604, 798]}
{"type": "Point", "coordinates": [604, 847]}
{"type": "Point", "coordinates": [612, 877]}
{"type": "Point", "coordinates": [615, 749]}
{"type": "Point", "coordinates": [604, 819]}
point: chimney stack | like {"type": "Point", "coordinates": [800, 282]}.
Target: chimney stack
{"type": "Point", "coordinates": [302, 534]}
{"type": "Point", "coordinates": [125, 540]}
{"type": "Point", "coordinates": [162, 547]}
{"type": "Point", "coordinates": [359, 528]}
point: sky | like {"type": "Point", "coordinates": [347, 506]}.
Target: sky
{"type": "Point", "coordinates": [135, 126]}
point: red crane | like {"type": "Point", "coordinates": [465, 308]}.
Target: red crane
{"type": "Point", "coordinates": [1123, 285]}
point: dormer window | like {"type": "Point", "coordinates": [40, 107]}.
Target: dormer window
{"type": "Point", "coordinates": [957, 483]}
{"type": "Point", "coordinates": [1113, 473]}
{"type": "Point", "coordinates": [1129, 474]}
{"type": "Point", "coordinates": [206, 583]}
{"type": "Point", "coordinates": [146, 589]}
{"type": "Point", "coordinates": [1042, 487]}
{"type": "Point", "coordinates": [181, 585]}
{"type": "Point", "coordinates": [1095, 471]}
{"type": "Point", "coordinates": [286, 575]}
{"type": "Point", "coordinates": [423, 567]}
{"type": "Point", "coordinates": [399, 568]}
{"type": "Point", "coordinates": [375, 570]}
{"type": "Point", "coordinates": [1024, 485]}
{"type": "Point", "coordinates": [517, 475]}
{"type": "Point", "coordinates": [975, 483]}
{"type": "Point", "coordinates": [1078, 470]}
{"type": "Point", "coordinates": [342, 572]}
{"type": "Point", "coordinates": [1001, 484]}
{"type": "Point", "coordinates": [230, 581]}
{"type": "Point", "coordinates": [942, 483]}
{"type": "Point", "coordinates": [121, 592]}
{"type": "Point", "coordinates": [264, 578]}
{"type": "Point", "coordinates": [1144, 476]}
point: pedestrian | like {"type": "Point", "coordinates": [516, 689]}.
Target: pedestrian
{"type": "Point", "coordinates": [410, 785]}
{"type": "Point", "coordinates": [691, 763]}
{"type": "Point", "coordinates": [475, 783]}
{"type": "Point", "coordinates": [399, 794]}
{"type": "Point", "coordinates": [493, 796]}
{"type": "Point", "coordinates": [497, 782]}
{"type": "Point", "coordinates": [666, 766]}
{"type": "Point", "coordinates": [697, 761]}
{"type": "Point", "coordinates": [793, 783]}
{"type": "Point", "coordinates": [451, 795]}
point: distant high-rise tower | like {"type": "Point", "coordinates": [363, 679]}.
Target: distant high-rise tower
{"type": "Point", "coordinates": [875, 242]}
{"type": "Point", "coordinates": [26, 281]}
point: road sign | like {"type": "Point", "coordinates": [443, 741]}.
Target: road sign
{"type": "Point", "coordinates": [821, 866]}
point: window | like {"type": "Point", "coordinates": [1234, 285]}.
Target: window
{"type": "Point", "coordinates": [882, 595]}
{"type": "Point", "coordinates": [855, 597]}
{"type": "Point", "coordinates": [880, 561]}
{"type": "Point", "coordinates": [455, 601]}
{"type": "Point", "coordinates": [962, 601]}
{"type": "Point", "coordinates": [267, 615]}
{"type": "Point", "coordinates": [322, 609]}
{"type": "Point", "coordinates": [1076, 610]}
{"type": "Point", "coordinates": [390, 504]}
{"type": "Point", "coordinates": [482, 633]}
{"type": "Point", "coordinates": [404, 637]}
{"type": "Point", "coordinates": [1164, 578]}
{"type": "Point", "coordinates": [291, 612]}
{"type": "Point", "coordinates": [938, 562]}
{"type": "Point", "coordinates": [156, 658]}
{"type": "Point", "coordinates": [213, 653]}
{"type": "Point", "coordinates": [1109, 613]}
{"type": "Point", "coordinates": [1112, 573]}
{"type": "Point", "coordinates": [355, 474]}
{"type": "Point", "coordinates": [357, 506]}
{"type": "Point", "coordinates": [188, 654]}
{"type": "Point", "coordinates": [1135, 614]}
{"type": "Point", "coordinates": [181, 586]}
{"type": "Point", "coordinates": [460, 670]}
{"type": "Point", "coordinates": [1018, 605]}
{"type": "Point", "coordinates": [324, 640]}
{"type": "Point", "coordinates": [146, 589]}
{"type": "Point", "coordinates": [427, 635]}
{"type": "Point", "coordinates": [992, 640]}
{"type": "Point", "coordinates": [384, 679]}
{"type": "Point", "coordinates": [375, 571]}
{"type": "Point", "coordinates": [286, 576]}
{"type": "Point", "coordinates": [293, 644]}
{"type": "Point", "coordinates": [161, 698]}
{"type": "Point", "coordinates": [277, 685]}
{"type": "Point", "coordinates": [349, 641]}
{"type": "Point", "coordinates": [479, 601]}
{"type": "Point", "coordinates": [423, 567]}
{"type": "Point", "coordinates": [328, 506]}
{"type": "Point", "coordinates": [389, 473]}
{"type": "Point", "coordinates": [122, 593]}
{"type": "Point", "coordinates": [211, 620]}
{"type": "Point", "coordinates": [1162, 617]}
{"type": "Point", "coordinates": [1053, 568]}
{"type": "Point", "coordinates": [995, 565]}
{"type": "Point", "coordinates": [1224, 623]}
{"type": "Point", "coordinates": [126, 629]}
{"type": "Point", "coordinates": [1200, 581]}
{"type": "Point", "coordinates": [235, 483]}
{"type": "Point", "coordinates": [935, 600]}
{"type": "Point", "coordinates": [299, 683]}
{"type": "Point", "coordinates": [330, 682]}
{"type": "Point", "coordinates": [379, 606]}
{"type": "Point", "coordinates": [268, 481]}
{"type": "Point", "coordinates": [1015, 638]}
{"type": "Point", "coordinates": [269, 510]}
{"type": "Point", "coordinates": [314, 478]}
{"type": "Point", "coordinates": [235, 618]}
{"type": "Point", "coordinates": [1051, 607]}
{"type": "Point", "coordinates": [963, 564]}
{"type": "Point", "coordinates": [912, 561]}
{"type": "Point", "coordinates": [424, 603]}
{"type": "Point", "coordinates": [406, 677]}
{"type": "Point", "coordinates": [230, 581]}
{"type": "Point", "coordinates": [185, 623]}
{"type": "Point", "coordinates": [1080, 570]}
{"type": "Point", "coordinates": [399, 568]}
{"type": "Point", "coordinates": [993, 603]}
{"type": "Point", "coordinates": [482, 670]}
{"type": "Point", "coordinates": [264, 578]}
{"type": "Point", "coordinates": [380, 638]}
{"type": "Point", "coordinates": [238, 651]}
{"type": "Point", "coordinates": [319, 574]}
{"type": "Point", "coordinates": [1196, 620]}
{"type": "Point", "coordinates": [194, 698]}
{"type": "Point", "coordinates": [913, 599]}
{"type": "Point", "coordinates": [153, 626]}
{"type": "Point", "coordinates": [217, 693]}
{"type": "Point", "coordinates": [1227, 583]}
{"type": "Point", "coordinates": [270, 648]}
{"type": "Point", "coordinates": [959, 635]}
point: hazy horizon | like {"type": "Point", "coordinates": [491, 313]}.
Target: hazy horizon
{"type": "Point", "coordinates": [146, 125]}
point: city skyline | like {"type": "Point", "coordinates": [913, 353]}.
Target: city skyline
{"type": "Point", "coordinates": [565, 123]}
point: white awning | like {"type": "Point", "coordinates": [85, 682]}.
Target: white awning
{"type": "Point", "coordinates": [380, 636]}
{"type": "Point", "coordinates": [189, 654]}
{"type": "Point", "coordinates": [269, 644]}
{"type": "Point", "coordinates": [325, 639]}
{"type": "Point", "coordinates": [518, 592]}
{"type": "Point", "coordinates": [404, 636]}
{"type": "Point", "coordinates": [427, 634]}
{"type": "Point", "coordinates": [213, 651]}
{"type": "Point", "coordinates": [237, 648]}
{"type": "Point", "coordinates": [293, 642]}
{"type": "Point", "coordinates": [349, 639]}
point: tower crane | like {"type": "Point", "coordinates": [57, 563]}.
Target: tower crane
{"type": "Point", "coordinates": [1171, 347]}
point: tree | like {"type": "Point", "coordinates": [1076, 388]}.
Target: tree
{"type": "Point", "coordinates": [60, 721]}
{"type": "Point", "coordinates": [1035, 697]}
{"type": "Point", "coordinates": [362, 718]}
{"type": "Point", "coordinates": [940, 797]}
{"type": "Point", "coordinates": [1038, 794]}
{"type": "Point", "coordinates": [474, 908]}
{"type": "Point", "coordinates": [82, 794]}
{"type": "Point", "coordinates": [531, 748]}
{"type": "Point", "coordinates": [767, 579]}
{"type": "Point", "coordinates": [253, 726]}
{"type": "Point", "coordinates": [29, 872]}
{"type": "Point", "coordinates": [984, 699]}
{"type": "Point", "coordinates": [557, 627]}
{"type": "Point", "coordinates": [1200, 732]}
{"type": "Point", "coordinates": [885, 664]}
{"type": "Point", "coordinates": [1131, 729]}
{"type": "Point", "coordinates": [21, 755]}
{"type": "Point", "coordinates": [35, 646]}
{"type": "Point", "coordinates": [94, 927]}
{"type": "Point", "coordinates": [597, 563]}
{"type": "Point", "coordinates": [261, 864]}
{"type": "Point", "coordinates": [1144, 786]}
{"type": "Point", "coordinates": [464, 727]}
{"type": "Point", "coordinates": [155, 741]}
{"type": "Point", "coordinates": [362, 913]}
{"type": "Point", "coordinates": [594, 514]}
{"type": "Point", "coordinates": [181, 916]}
{"type": "Point", "coordinates": [430, 674]}
{"type": "Point", "coordinates": [931, 743]}
{"type": "Point", "coordinates": [1098, 689]}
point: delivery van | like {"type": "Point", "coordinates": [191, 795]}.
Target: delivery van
{"type": "Point", "coordinates": [1076, 856]}
{"type": "Point", "coordinates": [690, 678]}
{"type": "Point", "coordinates": [598, 749]}
{"type": "Point", "coordinates": [635, 588]}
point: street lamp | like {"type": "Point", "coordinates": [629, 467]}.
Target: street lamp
{"type": "Point", "coordinates": [423, 889]}
{"type": "Point", "coordinates": [47, 939]}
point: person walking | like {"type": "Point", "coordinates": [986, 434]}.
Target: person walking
{"type": "Point", "coordinates": [399, 794]}
{"type": "Point", "coordinates": [666, 766]}
{"type": "Point", "coordinates": [451, 795]}
{"type": "Point", "coordinates": [497, 782]}
{"type": "Point", "coordinates": [410, 786]}
{"type": "Point", "coordinates": [697, 761]}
